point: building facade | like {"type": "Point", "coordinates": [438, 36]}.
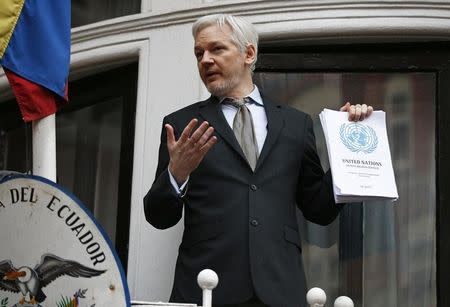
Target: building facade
{"type": "Point", "coordinates": [132, 63]}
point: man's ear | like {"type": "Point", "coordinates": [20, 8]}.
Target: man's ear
{"type": "Point", "coordinates": [250, 54]}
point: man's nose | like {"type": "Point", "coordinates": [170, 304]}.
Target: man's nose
{"type": "Point", "coordinates": [207, 58]}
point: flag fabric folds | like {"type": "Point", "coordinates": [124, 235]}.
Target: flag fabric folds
{"type": "Point", "coordinates": [35, 53]}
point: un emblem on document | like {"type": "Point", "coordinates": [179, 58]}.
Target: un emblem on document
{"type": "Point", "coordinates": [358, 137]}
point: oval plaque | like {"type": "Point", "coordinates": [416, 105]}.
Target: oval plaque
{"type": "Point", "coordinates": [53, 252]}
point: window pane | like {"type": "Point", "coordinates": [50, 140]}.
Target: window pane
{"type": "Point", "coordinates": [86, 11]}
{"type": "Point", "coordinates": [399, 248]}
{"type": "Point", "coordinates": [94, 145]}
{"type": "Point", "coordinates": [15, 139]}
{"type": "Point", "coordinates": [88, 158]}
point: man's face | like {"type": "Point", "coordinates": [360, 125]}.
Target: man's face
{"type": "Point", "coordinates": [222, 66]}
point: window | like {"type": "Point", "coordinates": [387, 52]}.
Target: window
{"type": "Point", "coordinates": [380, 254]}
{"type": "Point", "coordinates": [86, 12]}
{"type": "Point", "coordinates": [94, 147]}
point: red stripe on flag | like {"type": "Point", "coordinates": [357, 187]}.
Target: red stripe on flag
{"type": "Point", "coordinates": [35, 101]}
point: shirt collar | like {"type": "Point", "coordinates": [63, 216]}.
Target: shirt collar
{"type": "Point", "coordinates": [255, 95]}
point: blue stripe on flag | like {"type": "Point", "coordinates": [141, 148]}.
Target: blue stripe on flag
{"type": "Point", "coordinates": [39, 49]}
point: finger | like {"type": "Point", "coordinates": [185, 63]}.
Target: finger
{"type": "Point", "coordinates": [212, 140]}
{"type": "Point", "coordinates": [345, 107]}
{"type": "Point", "coordinates": [357, 112]}
{"type": "Point", "coordinates": [170, 134]}
{"type": "Point", "coordinates": [351, 113]}
{"type": "Point", "coordinates": [187, 130]}
{"type": "Point", "coordinates": [195, 137]}
{"type": "Point", "coordinates": [369, 111]}
{"type": "Point", "coordinates": [205, 137]}
{"type": "Point", "coordinates": [363, 112]}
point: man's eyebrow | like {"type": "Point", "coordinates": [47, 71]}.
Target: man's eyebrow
{"type": "Point", "coordinates": [215, 43]}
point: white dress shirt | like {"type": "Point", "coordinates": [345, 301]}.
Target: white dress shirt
{"type": "Point", "coordinates": [259, 123]}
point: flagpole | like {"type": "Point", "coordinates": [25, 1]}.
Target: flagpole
{"type": "Point", "coordinates": [44, 147]}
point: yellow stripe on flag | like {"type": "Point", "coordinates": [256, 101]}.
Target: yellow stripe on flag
{"type": "Point", "coordinates": [9, 14]}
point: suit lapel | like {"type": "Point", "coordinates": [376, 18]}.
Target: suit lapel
{"type": "Point", "coordinates": [211, 111]}
{"type": "Point", "coordinates": [275, 123]}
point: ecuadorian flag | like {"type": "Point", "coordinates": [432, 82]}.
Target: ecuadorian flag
{"type": "Point", "coordinates": [35, 53]}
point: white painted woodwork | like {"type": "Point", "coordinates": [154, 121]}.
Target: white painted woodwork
{"type": "Point", "coordinates": [44, 147]}
{"type": "Point", "coordinates": [207, 280]}
{"type": "Point", "coordinates": [343, 301]}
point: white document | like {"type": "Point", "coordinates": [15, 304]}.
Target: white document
{"type": "Point", "coordinates": [360, 158]}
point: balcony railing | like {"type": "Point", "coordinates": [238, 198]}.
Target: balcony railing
{"type": "Point", "coordinates": [208, 280]}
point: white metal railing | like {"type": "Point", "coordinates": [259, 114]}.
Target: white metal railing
{"type": "Point", "coordinates": [208, 280]}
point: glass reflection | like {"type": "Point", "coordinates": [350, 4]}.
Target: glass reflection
{"type": "Point", "coordinates": [399, 250]}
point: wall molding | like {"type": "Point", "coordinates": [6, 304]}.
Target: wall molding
{"type": "Point", "coordinates": [262, 13]}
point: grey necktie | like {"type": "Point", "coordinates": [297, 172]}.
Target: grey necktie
{"type": "Point", "coordinates": [243, 129]}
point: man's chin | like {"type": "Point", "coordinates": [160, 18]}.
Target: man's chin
{"type": "Point", "coordinates": [218, 89]}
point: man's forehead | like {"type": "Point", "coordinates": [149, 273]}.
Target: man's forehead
{"type": "Point", "coordinates": [213, 34]}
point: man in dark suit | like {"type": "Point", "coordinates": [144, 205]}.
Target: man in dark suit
{"type": "Point", "coordinates": [239, 194]}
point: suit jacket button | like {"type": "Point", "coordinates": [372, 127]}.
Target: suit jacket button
{"type": "Point", "coordinates": [253, 187]}
{"type": "Point", "coordinates": [254, 223]}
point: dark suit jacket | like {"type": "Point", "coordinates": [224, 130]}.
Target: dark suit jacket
{"type": "Point", "coordinates": [240, 223]}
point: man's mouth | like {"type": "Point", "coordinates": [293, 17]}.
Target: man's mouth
{"type": "Point", "coordinates": [211, 74]}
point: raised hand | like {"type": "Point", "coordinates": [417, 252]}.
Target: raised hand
{"type": "Point", "coordinates": [357, 112]}
{"type": "Point", "coordinates": [187, 152]}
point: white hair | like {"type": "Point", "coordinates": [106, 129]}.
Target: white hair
{"type": "Point", "coordinates": [243, 33]}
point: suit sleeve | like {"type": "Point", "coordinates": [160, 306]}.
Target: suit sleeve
{"type": "Point", "coordinates": [162, 205]}
{"type": "Point", "coordinates": [315, 188]}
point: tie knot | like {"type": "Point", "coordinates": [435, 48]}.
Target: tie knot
{"type": "Point", "coordinates": [236, 102]}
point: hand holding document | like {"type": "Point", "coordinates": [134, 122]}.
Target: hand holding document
{"type": "Point", "coordinates": [360, 158]}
